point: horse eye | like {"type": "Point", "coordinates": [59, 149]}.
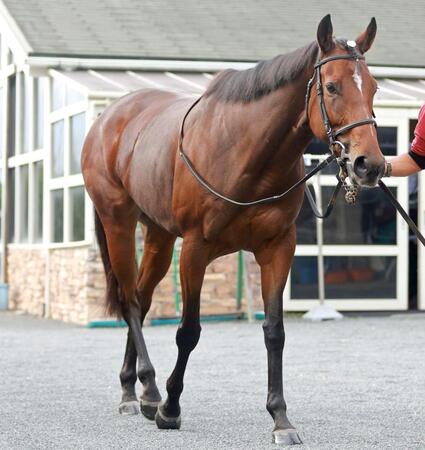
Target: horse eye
{"type": "Point", "coordinates": [331, 88]}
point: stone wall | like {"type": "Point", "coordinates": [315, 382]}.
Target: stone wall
{"type": "Point", "coordinates": [26, 271]}
{"type": "Point", "coordinates": [75, 281]}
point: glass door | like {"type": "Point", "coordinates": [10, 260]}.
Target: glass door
{"type": "Point", "coordinates": [364, 245]}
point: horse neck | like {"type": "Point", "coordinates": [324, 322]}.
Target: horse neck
{"type": "Point", "coordinates": [277, 132]}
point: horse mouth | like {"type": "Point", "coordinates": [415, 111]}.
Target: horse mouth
{"type": "Point", "coordinates": [362, 182]}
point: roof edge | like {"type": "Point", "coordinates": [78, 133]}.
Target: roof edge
{"type": "Point", "coordinates": [178, 65]}
{"type": "Point", "coordinates": [13, 34]}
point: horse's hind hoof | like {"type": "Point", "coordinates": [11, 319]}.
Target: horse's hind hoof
{"type": "Point", "coordinates": [286, 437]}
{"type": "Point", "coordinates": [130, 408]}
{"type": "Point", "coordinates": [148, 408]}
{"type": "Point", "coordinates": [164, 422]}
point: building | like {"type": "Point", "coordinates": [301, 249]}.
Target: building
{"type": "Point", "coordinates": [62, 63]}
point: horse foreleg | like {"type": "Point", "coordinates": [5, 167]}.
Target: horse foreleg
{"type": "Point", "coordinates": [193, 263]}
{"type": "Point", "coordinates": [275, 259]}
{"type": "Point", "coordinates": [157, 255]}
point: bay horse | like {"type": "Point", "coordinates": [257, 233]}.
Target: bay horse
{"type": "Point", "coordinates": [246, 137]}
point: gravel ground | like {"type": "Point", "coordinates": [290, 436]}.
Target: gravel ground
{"type": "Point", "coordinates": [354, 384]}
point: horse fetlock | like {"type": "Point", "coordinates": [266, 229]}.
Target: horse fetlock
{"type": "Point", "coordinates": [146, 374]}
{"type": "Point", "coordinates": [128, 378]}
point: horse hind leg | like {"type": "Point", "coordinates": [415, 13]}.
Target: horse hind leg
{"type": "Point", "coordinates": [117, 244]}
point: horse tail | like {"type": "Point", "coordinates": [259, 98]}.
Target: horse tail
{"type": "Point", "coordinates": [112, 300]}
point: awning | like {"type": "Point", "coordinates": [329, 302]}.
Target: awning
{"type": "Point", "coordinates": [114, 83]}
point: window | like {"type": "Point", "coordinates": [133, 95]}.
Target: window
{"type": "Point", "coordinates": [25, 162]}
{"type": "Point", "coordinates": [58, 149]}
{"type": "Point", "coordinates": [24, 113]}
{"type": "Point", "coordinates": [23, 203]}
{"type": "Point", "coordinates": [1, 122]}
{"type": "Point", "coordinates": [387, 138]}
{"type": "Point", "coordinates": [67, 194]}
{"type": "Point", "coordinates": [39, 112]}
{"type": "Point", "coordinates": [11, 206]}
{"type": "Point", "coordinates": [63, 95]}
{"type": "Point", "coordinates": [78, 129]}
{"type": "Point", "coordinates": [11, 107]}
{"type": "Point", "coordinates": [57, 215]}
{"type": "Point", "coordinates": [38, 201]}
{"type": "Point", "coordinates": [77, 196]}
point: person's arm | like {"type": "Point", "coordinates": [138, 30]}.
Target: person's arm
{"type": "Point", "coordinates": [401, 166]}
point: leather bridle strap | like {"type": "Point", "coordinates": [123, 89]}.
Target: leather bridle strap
{"type": "Point", "coordinates": [332, 135]}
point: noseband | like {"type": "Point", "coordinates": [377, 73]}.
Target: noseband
{"type": "Point", "coordinates": [331, 134]}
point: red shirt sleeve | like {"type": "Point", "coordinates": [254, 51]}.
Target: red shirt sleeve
{"type": "Point", "coordinates": [418, 144]}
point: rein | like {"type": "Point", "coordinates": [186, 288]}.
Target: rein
{"type": "Point", "coordinates": [351, 190]}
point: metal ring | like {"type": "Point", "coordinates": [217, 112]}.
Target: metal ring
{"type": "Point", "coordinates": [340, 144]}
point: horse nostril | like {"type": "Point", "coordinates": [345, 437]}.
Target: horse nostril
{"type": "Point", "coordinates": [360, 167]}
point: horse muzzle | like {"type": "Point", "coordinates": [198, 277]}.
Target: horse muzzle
{"type": "Point", "coordinates": [365, 171]}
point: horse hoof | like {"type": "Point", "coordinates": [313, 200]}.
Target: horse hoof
{"type": "Point", "coordinates": [164, 422]}
{"type": "Point", "coordinates": [130, 408]}
{"type": "Point", "coordinates": [286, 437]}
{"type": "Point", "coordinates": [148, 408]}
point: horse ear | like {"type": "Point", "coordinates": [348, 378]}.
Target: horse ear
{"type": "Point", "coordinates": [365, 40]}
{"type": "Point", "coordinates": [324, 34]}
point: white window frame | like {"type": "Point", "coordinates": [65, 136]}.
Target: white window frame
{"type": "Point", "coordinates": [67, 181]}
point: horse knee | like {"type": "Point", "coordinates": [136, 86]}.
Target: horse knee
{"type": "Point", "coordinates": [188, 337]}
{"type": "Point", "coordinates": [274, 335]}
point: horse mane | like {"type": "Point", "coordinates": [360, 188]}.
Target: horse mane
{"type": "Point", "coordinates": [262, 79]}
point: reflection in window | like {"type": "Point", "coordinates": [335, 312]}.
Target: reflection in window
{"type": "Point", "coordinates": [371, 220]}
{"type": "Point", "coordinates": [78, 129]}
{"type": "Point", "coordinates": [23, 203]}
{"type": "Point", "coordinates": [11, 205]}
{"type": "Point", "coordinates": [57, 149]}
{"type": "Point", "coordinates": [38, 201]}
{"type": "Point", "coordinates": [304, 278]}
{"type": "Point", "coordinates": [77, 213]}
{"type": "Point", "coordinates": [362, 277]}
{"type": "Point", "coordinates": [387, 138]}
{"type": "Point", "coordinates": [39, 113]}
{"type": "Point", "coordinates": [57, 215]}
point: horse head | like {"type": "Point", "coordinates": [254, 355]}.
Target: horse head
{"type": "Point", "coordinates": [341, 108]}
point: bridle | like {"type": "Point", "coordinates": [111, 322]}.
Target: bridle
{"type": "Point", "coordinates": [331, 134]}
{"type": "Point", "coordinates": [341, 158]}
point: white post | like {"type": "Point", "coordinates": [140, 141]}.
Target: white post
{"type": "Point", "coordinates": [322, 311]}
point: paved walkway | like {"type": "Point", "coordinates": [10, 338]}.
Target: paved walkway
{"type": "Point", "coordinates": [354, 384]}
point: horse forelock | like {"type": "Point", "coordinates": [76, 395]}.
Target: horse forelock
{"type": "Point", "coordinates": [262, 79]}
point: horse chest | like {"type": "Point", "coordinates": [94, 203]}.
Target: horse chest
{"type": "Point", "coordinates": [247, 229]}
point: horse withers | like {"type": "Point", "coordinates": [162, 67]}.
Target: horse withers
{"type": "Point", "coordinates": [246, 137]}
